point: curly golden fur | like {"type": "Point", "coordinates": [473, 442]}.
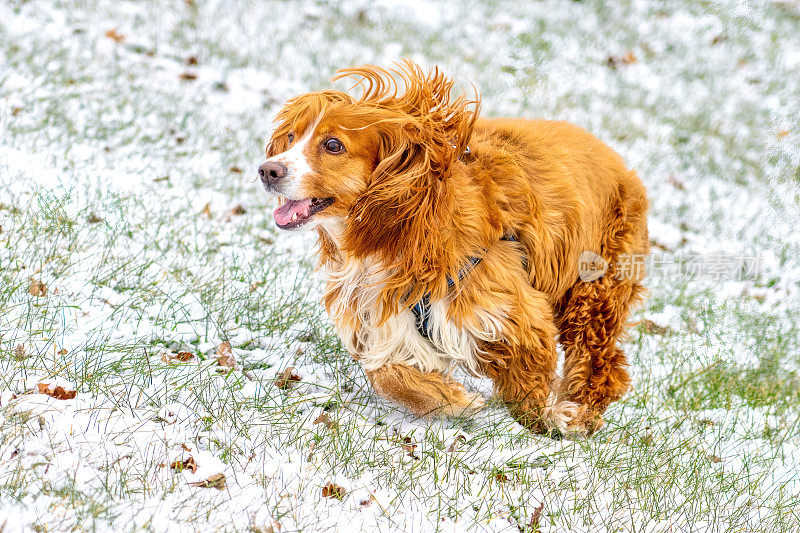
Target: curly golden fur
{"type": "Point", "coordinates": [420, 188]}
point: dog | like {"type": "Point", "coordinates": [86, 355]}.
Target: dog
{"type": "Point", "coordinates": [452, 240]}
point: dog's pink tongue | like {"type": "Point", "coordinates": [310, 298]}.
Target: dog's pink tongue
{"type": "Point", "coordinates": [283, 215]}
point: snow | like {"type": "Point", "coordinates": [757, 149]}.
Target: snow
{"type": "Point", "coordinates": [92, 126]}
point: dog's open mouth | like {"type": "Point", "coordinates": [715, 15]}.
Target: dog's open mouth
{"type": "Point", "coordinates": [295, 213]}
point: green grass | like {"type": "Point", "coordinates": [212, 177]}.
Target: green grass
{"type": "Point", "coordinates": [137, 271]}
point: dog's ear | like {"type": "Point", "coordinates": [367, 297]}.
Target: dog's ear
{"type": "Point", "coordinates": [402, 217]}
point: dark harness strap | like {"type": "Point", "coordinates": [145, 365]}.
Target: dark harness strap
{"type": "Point", "coordinates": [422, 309]}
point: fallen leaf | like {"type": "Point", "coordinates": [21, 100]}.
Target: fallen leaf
{"type": "Point", "coordinates": [37, 288]}
{"type": "Point", "coordinates": [191, 61]}
{"type": "Point", "coordinates": [186, 448]}
{"type": "Point", "coordinates": [501, 476]}
{"type": "Point", "coordinates": [333, 491]}
{"type": "Point", "coordinates": [651, 328]}
{"type": "Point", "coordinates": [225, 356]}
{"type": "Point", "coordinates": [94, 219]}
{"type": "Point", "coordinates": [19, 352]}
{"type": "Point", "coordinates": [675, 182]}
{"type": "Point", "coordinates": [408, 445]}
{"type": "Point", "coordinates": [324, 419]}
{"type": "Point", "coordinates": [533, 525]}
{"type": "Point", "coordinates": [236, 170]}
{"type": "Point", "coordinates": [172, 357]}
{"type": "Point", "coordinates": [115, 35]}
{"type": "Point", "coordinates": [286, 380]}
{"type": "Point", "coordinates": [184, 356]}
{"type": "Point", "coordinates": [367, 502]}
{"type": "Point", "coordinates": [719, 38]}
{"type": "Point", "coordinates": [186, 464]}
{"type": "Point", "coordinates": [217, 481]}
{"type": "Point", "coordinates": [188, 76]}
{"type": "Point", "coordinates": [232, 212]}
{"type": "Point", "coordinates": [457, 442]}
{"type": "Point", "coordinates": [207, 211]}
{"type": "Point", "coordinates": [62, 351]}
{"type": "Point", "coordinates": [618, 61]}
{"type": "Point", "coordinates": [58, 392]}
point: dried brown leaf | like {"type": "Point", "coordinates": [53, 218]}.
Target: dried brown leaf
{"type": "Point", "coordinates": [456, 444]}
{"type": "Point", "coordinates": [533, 524]}
{"type": "Point", "coordinates": [287, 379]}
{"type": "Point", "coordinates": [501, 476]}
{"type": "Point", "coordinates": [651, 328]}
{"type": "Point", "coordinates": [37, 288]}
{"type": "Point", "coordinates": [225, 356]}
{"type": "Point", "coordinates": [332, 490]}
{"type": "Point", "coordinates": [206, 212]}
{"type": "Point", "coordinates": [188, 76]}
{"type": "Point", "coordinates": [58, 392]}
{"type": "Point", "coordinates": [19, 352]}
{"type": "Point", "coordinates": [367, 502]}
{"type": "Point", "coordinates": [115, 35]}
{"type": "Point", "coordinates": [324, 419]}
{"type": "Point", "coordinates": [614, 62]}
{"type": "Point", "coordinates": [180, 357]}
{"type": "Point", "coordinates": [235, 170]}
{"type": "Point", "coordinates": [186, 464]}
{"type": "Point", "coordinates": [675, 182]}
{"type": "Point", "coordinates": [234, 211]}
{"type": "Point", "coordinates": [217, 481]}
{"type": "Point", "coordinates": [94, 219]}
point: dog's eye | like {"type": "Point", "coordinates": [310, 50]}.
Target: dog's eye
{"type": "Point", "coordinates": [333, 146]}
{"type": "Point", "coordinates": [290, 136]}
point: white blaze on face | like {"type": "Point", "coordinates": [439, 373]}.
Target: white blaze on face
{"type": "Point", "coordinates": [297, 165]}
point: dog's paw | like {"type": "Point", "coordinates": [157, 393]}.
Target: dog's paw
{"type": "Point", "coordinates": [569, 419]}
{"type": "Point", "coordinates": [467, 404]}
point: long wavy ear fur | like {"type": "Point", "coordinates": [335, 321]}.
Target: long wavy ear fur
{"type": "Point", "coordinates": [404, 213]}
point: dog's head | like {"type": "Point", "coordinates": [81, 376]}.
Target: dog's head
{"type": "Point", "coordinates": [373, 170]}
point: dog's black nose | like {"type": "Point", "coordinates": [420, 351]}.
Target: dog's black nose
{"type": "Point", "coordinates": [271, 171]}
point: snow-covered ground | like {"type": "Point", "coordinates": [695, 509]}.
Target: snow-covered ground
{"type": "Point", "coordinates": [134, 243]}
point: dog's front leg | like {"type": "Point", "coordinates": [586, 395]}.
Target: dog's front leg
{"type": "Point", "coordinates": [423, 393]}
{"type": "Point", "coordinates": [522, 365]}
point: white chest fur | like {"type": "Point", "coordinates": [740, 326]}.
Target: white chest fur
{"type": "Point", "coordinates": [357, 286]}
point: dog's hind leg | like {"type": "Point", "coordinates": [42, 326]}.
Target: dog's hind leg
{"type": "Point", "coordinates": [423, 393]}
{"type": "Point", "coordinates": [592, 319]}
{"type": "Point", "coordinates": [592, 324]}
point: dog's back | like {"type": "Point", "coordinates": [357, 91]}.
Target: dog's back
{"type": "Point", "coordinates": [574, 194]}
